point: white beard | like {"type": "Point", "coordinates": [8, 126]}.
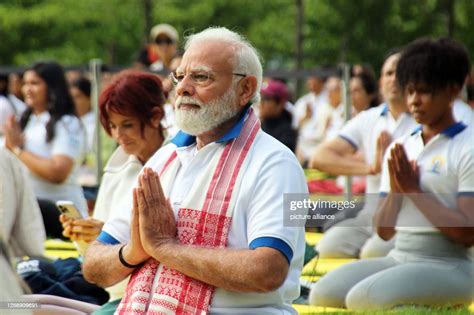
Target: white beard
{"type": "Point", "coordinates": [208, 116]}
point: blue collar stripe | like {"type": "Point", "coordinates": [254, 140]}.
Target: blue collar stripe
{"type": "Point", "coordinates": [384, 110]}
{"type": "Point", "coordinates": [182, 139]}
{"type": "Point", "coordinates": [454, 129]}
{"type": "Point", "coordinates": [451, 131]}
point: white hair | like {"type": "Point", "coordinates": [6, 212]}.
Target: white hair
{"type": "Point", "coordinates": [247, 60]}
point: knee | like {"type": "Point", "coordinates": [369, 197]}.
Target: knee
{"type": "Point", "coordinates": [376, 247]}
{"type": "Point", "coordinates": [361, 298]}
{"type": "Point", "coordinates": [357, 299]}
{"type": "Point", "coordinates": [325, 294]}
{"type": "Point", "coordinates": [332, 246]}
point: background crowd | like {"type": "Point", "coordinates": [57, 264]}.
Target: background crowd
{"type": "Point", "coordinates": [49, 131]}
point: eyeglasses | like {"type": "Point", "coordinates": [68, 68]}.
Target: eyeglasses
{"type": "Point", "coordinates": [164, 41]}
{"type": "Point", "coordinates": [197, 77]}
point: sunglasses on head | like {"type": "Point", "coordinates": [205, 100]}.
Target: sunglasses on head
{"type": "Point", "coordinates": [164, 41]}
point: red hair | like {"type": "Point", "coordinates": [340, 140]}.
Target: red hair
{"type": "Point", "coordinates": [132, 93]}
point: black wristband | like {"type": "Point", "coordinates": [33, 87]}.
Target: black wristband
{"type": "Point", "coordinates": [122, 260]}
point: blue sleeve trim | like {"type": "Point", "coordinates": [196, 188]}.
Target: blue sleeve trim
{"type": "Point", "coordinates": [275, 243]}
{"type": "Point", "coordinates": [466, 193]}
{"type": "Point", "coordinates": [106, 238]}
{"type": "Point", "coordinates": [383, 194]}
{"type": "Point", "coordinates": [352, 143]}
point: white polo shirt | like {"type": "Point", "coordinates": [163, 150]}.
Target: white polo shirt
{"type": "Point", "coordinates": [69, 139]}
{"type": "Point", "coordinates": [362, 133]}
{"type": "Point", "coordinates": [257, 219]}
{"type": "Point", "coordinates": [446, 165]}
{"type": "Point", "coordinates": [310, 133]}
{"type": "Point", "coordinates": [311, 99]}
{"type": "Point", "coordinates": [89, 121]}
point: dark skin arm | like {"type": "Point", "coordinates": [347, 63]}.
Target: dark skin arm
{"type": "Point", "coordinates": [457, 224]}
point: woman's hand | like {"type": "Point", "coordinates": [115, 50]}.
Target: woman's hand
{"type": "Point", "coordinates": [85, 230]}
{"type": "Point", "coordinates": [404, 174]}
{"type": "Point", "coordinates": [13, 134]}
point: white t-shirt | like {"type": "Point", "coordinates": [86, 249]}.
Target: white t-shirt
{"type": "Point", "coordinates": [308, 135]}
{"type": "Point", "coordinates": [69, 140]}
{"type": "Point", "coordinates": [257, 218]}
{"type": "Point", "coordinates": [6, 110]}
{"type": "Point", "coordinates": [362, 132]}
{"type": "Point", "coordinates": [332, 120]}
{"type": "Point", "coordinates": [89, 121]}
{"type": "Point", "coordinates": [364, 129]}
{"type": "Point", "coordinates": [446, 165]}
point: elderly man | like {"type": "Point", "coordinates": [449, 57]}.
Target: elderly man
{"type": "Point", "coordinates": [204, 230]}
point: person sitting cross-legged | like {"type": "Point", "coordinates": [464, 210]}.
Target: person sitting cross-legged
{"type": "Point", "coordinates": [203, 231]}
{"type": "Point", "coordinates": [427, 197]}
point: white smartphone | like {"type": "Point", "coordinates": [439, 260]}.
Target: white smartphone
{"type": "Point", "coordinates": [69, 209]}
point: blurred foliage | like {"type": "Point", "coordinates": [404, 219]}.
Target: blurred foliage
{"type": "Point", "coordinates": [75, 31]}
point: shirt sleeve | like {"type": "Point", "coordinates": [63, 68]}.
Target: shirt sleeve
{"type": "Point", "coordinates": [265, 216]}
{"type": "Point", "coordinates": [466, 171]}
{"type": "Point", "coordinates": [69, 138]}
{"type": "Point", "coordinates": [385, 175]}
{"type": "Point", "coordinates": [5, 112]}
{"type": "Point", "coordinates": [353, 131]}
{"type": "Point", "coordinates": [28, 215]}
{"type": "Point", "coordinates": [117, 228]}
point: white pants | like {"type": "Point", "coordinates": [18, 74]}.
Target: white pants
{"type": "Point", "coordinates": [353, 238]}
{"type": "Point", "coordinates": [423, 269]}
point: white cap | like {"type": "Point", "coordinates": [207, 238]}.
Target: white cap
{"type": "Point", "coordinates": [165, 29]}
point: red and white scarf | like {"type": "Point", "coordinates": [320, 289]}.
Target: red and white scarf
{"type": "Point", "coordinates": [203, 220]}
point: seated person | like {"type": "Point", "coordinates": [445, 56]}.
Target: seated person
{"type": "Point", "coordinates": [427, 197]}
{"type": "Point", "coordinates": [20, 217]}
{"type": "Point", "coordinates": [305, 116]}
{"type": "Point", "coordinates": [370, 132]}
{"type": "Point", "coordinates": [50, 141]}
{"type": "Point", "coordinates": [276, 120]}
{"type": "Point", "coordinates": [131, 108]}
{"type": "Point", "coordinates": [207, 235]}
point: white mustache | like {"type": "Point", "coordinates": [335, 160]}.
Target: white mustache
{"type": "Point", "coordinates": [187, 100]}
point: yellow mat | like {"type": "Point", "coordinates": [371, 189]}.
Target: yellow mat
{"type": "Point", "coordinates": [308, 309]}
{"type": "Point", "coordinates": [60, 249]}
{"type": "Point", "coordinates": [59, 244]}
{"type": "Point", "coordinates": [310, 278]}
{"type": "Point", "coordinates": [323, 265]}
{"type": "Point", "coordinates": [313, 238]}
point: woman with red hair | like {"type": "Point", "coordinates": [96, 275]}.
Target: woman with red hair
{"type": "Point", "coordinates": [131, 109]}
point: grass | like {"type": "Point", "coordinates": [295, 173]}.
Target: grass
{"type": "Point", "coordinates": [407, 310]}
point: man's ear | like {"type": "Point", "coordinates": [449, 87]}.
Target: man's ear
{"type": "Point", "coordinates": [247, 89]}
{"type": "Point", "coordinates": [157, 116]}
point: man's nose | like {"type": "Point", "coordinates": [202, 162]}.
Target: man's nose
{"type": "Point", "coordinates": [185, 87]}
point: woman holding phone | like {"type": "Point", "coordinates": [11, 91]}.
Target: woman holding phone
{"type": "Point", "coordinates": [131, 109]}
